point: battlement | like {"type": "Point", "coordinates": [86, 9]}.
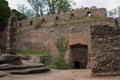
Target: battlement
{"type": "Point", "coordinates": [79, 14]}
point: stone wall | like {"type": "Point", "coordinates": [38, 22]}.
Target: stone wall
{"type": "Point", "coordinates": [44, 39]}
{"type": "Point", "coordinates": [105, 50]}
{"type": "Point", "coordinates": [80, 14]}
{"type": "Point", "coordinates": [102, 42]}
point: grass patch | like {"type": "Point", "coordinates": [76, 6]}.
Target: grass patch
{"type": "Point", "coordinates": [34, 53]}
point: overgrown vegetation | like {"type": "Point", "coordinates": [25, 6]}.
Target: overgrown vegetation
{"type": "Point", "coordinates": [62, 23]}
{"type": "Point", "coordinates": [76, 21]}
{"type": "Point", "coordinates": [4, 14]}
{"type": "Point", "coordinates": [19, 15]}
{"type": "Point", "coordinates": [37, 53]}
{"type": "Point", "coordinates": [58, 61]}
{"type": "Point", "coordinates": [62, 44]}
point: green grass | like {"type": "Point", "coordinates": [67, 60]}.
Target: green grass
{"type": "Point", "coordinates": [34, 53]}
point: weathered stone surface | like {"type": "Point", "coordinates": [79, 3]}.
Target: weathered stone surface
{"type": "Point", "coordinates": [11, 35]}
{"type": "Point", "coordinates": [30, 70]}
{"type": "Point", "coordinates": [26, 68]}
{"type": "Point", "coordinates": [102, 41]}
{"type": "Point", "coordinates": [105, 55]}
{"type": "Point", "coordinates": [24, 57]}
{"type": "Point", "coordinates": [3, 74]}
{"type": "Point", "coordinates": [8, 58]}
{"type": "Point", "coordinates": [40, 59]}
{"type": "Point", "coordinates": [19, 67]}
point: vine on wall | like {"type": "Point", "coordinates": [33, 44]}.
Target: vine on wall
{"type": "Point", "coordinates": [62, 44]}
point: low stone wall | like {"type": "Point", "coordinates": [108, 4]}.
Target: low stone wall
{"type": "Point", "coordinates": [105, 50]}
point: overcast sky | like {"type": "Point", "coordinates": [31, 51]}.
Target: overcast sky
{"type": "Point", "coordinates": [108, 4]}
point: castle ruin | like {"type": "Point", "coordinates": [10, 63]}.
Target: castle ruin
{"type": "Point", "coordinates": [94, 39]}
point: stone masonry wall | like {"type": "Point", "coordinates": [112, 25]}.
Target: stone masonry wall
{"type": "Point", "coordinates": [105, 50]}
{"type": "Point", "coordinates": [44, 39]}
{"type": "Point", "coordinates": [80, 14]}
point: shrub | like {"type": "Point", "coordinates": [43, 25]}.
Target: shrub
{"type": "Point", "coordinates": [59, 63]}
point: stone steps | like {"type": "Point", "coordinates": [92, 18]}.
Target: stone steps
{"type": "Point", "coordinates": [19, 67]}
{"type": "Point", "coordinates": [12, 64]}
{"type": "Point", "coordinates": [24, 68]}
{"type": "Point", "coordinates": [29, 70]}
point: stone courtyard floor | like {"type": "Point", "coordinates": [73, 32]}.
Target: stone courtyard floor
{"type": "Point", "coordinates": [61, 75]}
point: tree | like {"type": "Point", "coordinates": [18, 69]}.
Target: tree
{"type": "Point", "coordinates": [118, 11]}
{"type": "Point", "coordinates": [64, 6]}
{"type": "Point", "coordinates": [27, 12]}
{"type": "Point", "coordinates": [57, 6]}
{"type": "Point", "coordinates": [19, 15]}
{"type": "Point", "coordinates": [50, 6]}
{"type": "Point", "coordinates": [38, 6]}
{"type": "Point", "coordinates": [114, 12]}
{"type": "Point", "coordinates": [4, 14]}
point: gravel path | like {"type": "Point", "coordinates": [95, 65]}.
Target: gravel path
{"type": "Point", "coordinates": [61, 75]}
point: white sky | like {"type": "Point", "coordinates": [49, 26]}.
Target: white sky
{"type": "Point", "coordinates": [108, 4]}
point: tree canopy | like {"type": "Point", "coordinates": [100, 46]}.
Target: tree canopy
{"type": "Point", "coordinates": [114, 12]}
{"type": "Point", "coordinates": [4, 14]}
{"type": "Point", "coordinates": [29, 13]}
{"type": "Point", "coordinates": [42, 7]}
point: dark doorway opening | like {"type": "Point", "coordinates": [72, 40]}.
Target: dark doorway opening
{"type": "Point", "coordinates": [77, 64]}
{"type": "Point", "coordinates": [79, 56]}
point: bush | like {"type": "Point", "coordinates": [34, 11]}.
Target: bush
{"type": "Point", "coordinates": [59, 63]}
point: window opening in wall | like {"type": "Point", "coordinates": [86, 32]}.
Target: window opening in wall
{"type": "Point", "coordinates": [43, 21]}
{"type": "Point", "coordinates": [31, 22]}
{"type": "Point", "coordinates": [89, 13]}
{"type": "Point", "coordinates": [56, 18]}
{"type": "Point", "coordinates": [71, 16]}
{"type": "Point", "coordinates": [116, 23]}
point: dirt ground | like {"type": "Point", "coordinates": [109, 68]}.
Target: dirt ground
{"type": "Point", "coordinates": [61, 75]}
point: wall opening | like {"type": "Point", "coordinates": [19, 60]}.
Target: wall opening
{"type": "Point", "coordinates": [77, 64]}
{"type": "Point", "coordinates": [72, 16]}
{"type": "Point", "coordinates": [78, 56]}
{"type": "Point", "coordinates": [89, 13]}
{"type": "Point", "coordinates": [43, 21]}
{"type": "Point", "coordinates": [31, 23]}
{"type": "Point", "coordinates": [56, 18]}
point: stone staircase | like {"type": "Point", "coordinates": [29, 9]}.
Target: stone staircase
{"type": "Point", "coordinates": [14, 65]}
{"type": "Point", "coordinates": [24, 68]}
